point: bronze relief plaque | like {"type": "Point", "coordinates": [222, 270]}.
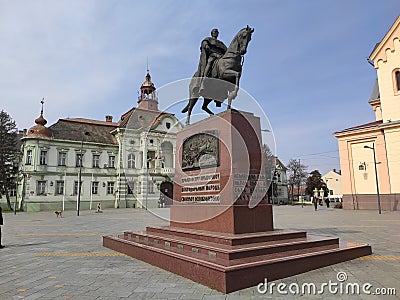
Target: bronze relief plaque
{"type": "Point", "coordinates": [201, 151]}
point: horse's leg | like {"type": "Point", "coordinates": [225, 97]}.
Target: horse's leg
{"type": "Point", "coordinates": [232, 95]}
{"type": "Point", "coordinates": [205, 106]}
{"type": "Point", "coordinates": [189, 107]}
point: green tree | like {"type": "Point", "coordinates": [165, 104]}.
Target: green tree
{"type": "Point", "coordinates": [9, 155]}
{"type": "Point", "coordinates": [314, 181]}
{"type": "Point", "coordinates": [297, 174]}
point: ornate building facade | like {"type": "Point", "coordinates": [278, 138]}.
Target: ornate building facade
{"type": "Point", "coordinates": [118, 164]}
{"type": "Point", "coordinates": [369, 153]}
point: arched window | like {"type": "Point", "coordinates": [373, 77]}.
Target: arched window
{"type": "Point", "coordinates": [131, 161]}
{"type": "Point", "coordinates": [397, 78]}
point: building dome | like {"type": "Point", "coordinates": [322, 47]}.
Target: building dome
{"type": "Point", "coordinates": [39, 130]}
{"type": "Point", "coordinates": [147, 83]}
{"type": "Point", "coordinates": [40, 120]}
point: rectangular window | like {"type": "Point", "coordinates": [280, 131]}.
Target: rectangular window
{"type": "Point", "coordinates": [76, 188]}
{"type": "Point", "coordinates": [131, 161]}
{"type": "Point", "coordinates": [60, 187]}
{"type": "Point", "coordinates": [62, 158]}
{"type": "Point", "coordinates": [41, 187]}
{"type": "Point", "coordinates": [96, 161]}
{"type": "Point", "coordinates": [95, 187]}
{"type": "Point", "coordinates": [79, 157]}
{"type": "Point", "coordinates": [111, 161]}
{"type": "Point", "coordinates": [110, 188]}
{"type": "Point", "coordinates": [330, 192]}
{"type": "Point", "coordinates": [151, 187]}
{"type": "Point", "coordinates": [139, 188]}
{"type": "Point", "coordinates": [28, 157]}
{"type": "Point", "coordinates": [131, 187]}
{"type": "Point", "coordinates": [43, 155]}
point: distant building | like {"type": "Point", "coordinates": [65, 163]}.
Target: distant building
{"type": "Point", "coordinates": [333, 180]}
{"type": "Point", "coordinates": [122, 164]}
{"type": "Point", "coordinates": [357, 145]}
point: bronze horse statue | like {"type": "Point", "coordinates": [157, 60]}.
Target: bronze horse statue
{"type": "Point", "coordinates": [223, 82]}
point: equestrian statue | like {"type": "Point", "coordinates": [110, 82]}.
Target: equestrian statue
{"type": "Point", "coordinates": [218, 74]}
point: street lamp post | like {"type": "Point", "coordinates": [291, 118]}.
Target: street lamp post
{"type": "Point", "coordinates": [16, 196]}
{"type": "Point", "coordinates": [80, 175]}
{"type": "Point", "coordinates": [147, 180]}
{"type": "Point", "coordinates": [376, 176]}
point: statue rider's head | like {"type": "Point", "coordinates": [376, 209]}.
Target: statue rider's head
{"type": "Point", "coordinates": [214, 33]}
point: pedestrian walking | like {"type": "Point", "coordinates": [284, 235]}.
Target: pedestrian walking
{"type": "Point", "coordinates": [327, 202]}
{"type": "Point", "coordinates": [316, 203]}
{"type": "Point", "coordinates": [99, 208]}
{"type": "Point", "coordinates": [1, 224]}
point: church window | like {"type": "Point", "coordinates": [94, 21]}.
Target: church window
{"type": "Point", "coordinates": [397, 77]}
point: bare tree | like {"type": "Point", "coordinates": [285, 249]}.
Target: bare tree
{"type": "Point", "coordinates": [9, 156]}
{"type": "Point", "coordinates": [297, 174]}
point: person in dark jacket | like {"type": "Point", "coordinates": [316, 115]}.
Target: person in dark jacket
{"type": "Point", "coordinates": [316, 200]}
{"type": "Point", "coordinates": [1, 223]}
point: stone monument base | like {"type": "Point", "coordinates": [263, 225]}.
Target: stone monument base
{"type": "Point", "coordinates": [230, 262]}
{"type": "Point", "coordinates": [215, 236]}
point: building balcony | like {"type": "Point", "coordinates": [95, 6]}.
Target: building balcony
{"type": "Point", "coordinates": [167, 171]}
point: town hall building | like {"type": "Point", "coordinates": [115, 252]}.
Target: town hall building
{"type": "Point", "coordinates": [127, 163]}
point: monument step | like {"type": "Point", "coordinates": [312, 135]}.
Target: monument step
{"type": "Point", "coordinates": [227, 238]}
{"type": "Point", "coordinates": [227, 252]}
{"type": "Point", "coordinates": [230, 275]}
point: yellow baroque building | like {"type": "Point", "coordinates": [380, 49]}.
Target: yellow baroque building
{"type": "Point", "coordinates": [368, 181]}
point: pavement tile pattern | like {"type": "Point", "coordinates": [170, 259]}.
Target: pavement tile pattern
{"type": "Point", "coordinates": [63, 258]}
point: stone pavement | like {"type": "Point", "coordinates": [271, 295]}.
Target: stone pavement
{"type": "Point", "coordinates": [62, 258]}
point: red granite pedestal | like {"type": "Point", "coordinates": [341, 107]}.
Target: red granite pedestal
{"type": "Point", "coordinates": [221, 231]}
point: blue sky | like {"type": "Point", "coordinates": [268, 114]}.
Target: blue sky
{"type": "Point", "coordinates": [306, 64]}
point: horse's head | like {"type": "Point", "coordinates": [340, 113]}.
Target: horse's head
{"type": "Point", "coordinates": [243, 39]}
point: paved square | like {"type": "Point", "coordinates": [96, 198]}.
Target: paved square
{"type": "Point", "coordinates": [63, 258]}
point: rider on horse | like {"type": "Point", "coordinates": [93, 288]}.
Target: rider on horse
{"type": "Point", "coordinates": [211, 49]}
{"type": "Point", "coordinates": [219, 71]}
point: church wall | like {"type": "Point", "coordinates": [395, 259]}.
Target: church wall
{"type": "Point", "coordinates": [392, 137]}
{"type": "Point", "coordinates": [390, 96]}
{"type": "Point", "coordinates": [358, 170]}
